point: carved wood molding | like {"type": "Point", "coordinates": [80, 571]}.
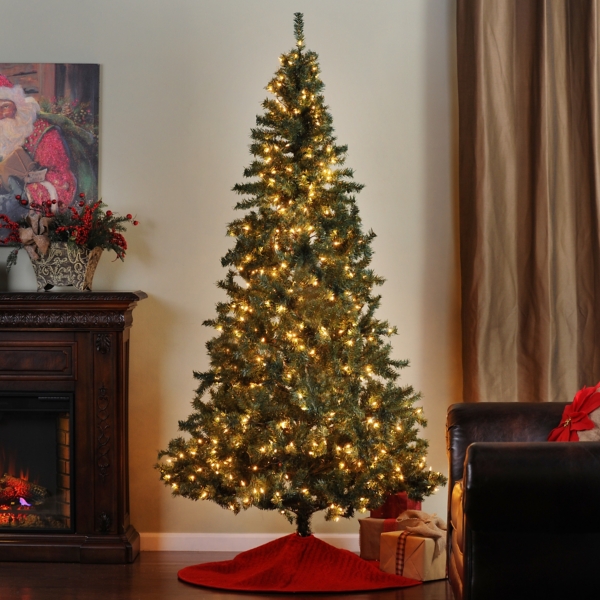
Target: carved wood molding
{"type": "Point", "coordinates": [104, 428]}
{"type": "Point", "coordinates": [75, 319]}
{"type": "Point", "coordinates": [103, 342]}
{"type": "Point", "coordinates": [86, 297]}
{"type": "Point", "coordinates": [104, 522]}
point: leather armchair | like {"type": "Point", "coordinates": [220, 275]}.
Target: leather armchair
{"type": "Point", "coordinates": [523, 513]}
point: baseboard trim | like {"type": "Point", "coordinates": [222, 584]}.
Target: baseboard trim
{"type": "Point", "coordinates": [230, 542]}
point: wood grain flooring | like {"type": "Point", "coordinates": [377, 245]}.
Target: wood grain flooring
{"type": "Point", "coordinates": [154, 577]}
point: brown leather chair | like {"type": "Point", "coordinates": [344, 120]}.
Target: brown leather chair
{"type": "Point", "coordinates": [523, 513]}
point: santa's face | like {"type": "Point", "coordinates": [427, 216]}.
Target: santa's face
{"type": "Point", "coordinates": [16, 124]}
{"type": "Point", "coordinates": [8, 109]}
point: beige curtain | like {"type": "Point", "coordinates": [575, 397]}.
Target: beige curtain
{"type": "Point", "coordinates": [529, 174]}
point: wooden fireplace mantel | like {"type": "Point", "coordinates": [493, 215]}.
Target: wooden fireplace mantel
{"type": "Point", "coordinates": [78, 343]}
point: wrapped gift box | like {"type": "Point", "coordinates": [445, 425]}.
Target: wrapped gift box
{"type": "Point", "coordinates": [394, 505]}
{"type": "Point", "coordinates": [370, 531]}
{"type": "Point", "coordinates": [407, 554]}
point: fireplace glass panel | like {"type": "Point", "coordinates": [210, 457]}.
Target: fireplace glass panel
{"type": "Point", "coordinates": [35, 462]}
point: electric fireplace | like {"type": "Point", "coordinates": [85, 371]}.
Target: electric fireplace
{"type": "Point", "coordinates": [64, 475]}
{"type": "Point", "coordinates": [35, 461]}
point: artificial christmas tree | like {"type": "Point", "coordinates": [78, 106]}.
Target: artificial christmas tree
{"type": "Point", "coordinates": [299, 411]}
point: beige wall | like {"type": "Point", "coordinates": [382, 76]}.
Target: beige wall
{"type": "Point", "coordinates": [182, 81]}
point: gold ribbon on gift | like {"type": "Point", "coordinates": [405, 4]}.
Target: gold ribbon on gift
{"type": "Point", "coordinates": [35, 238]}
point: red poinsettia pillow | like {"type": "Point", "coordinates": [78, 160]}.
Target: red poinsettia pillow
{"type": "Point", "coordinates": [581, 419]}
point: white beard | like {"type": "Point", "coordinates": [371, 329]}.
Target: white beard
{"type": "Point", "coordinates": [14, 132]}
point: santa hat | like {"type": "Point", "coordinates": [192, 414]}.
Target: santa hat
{"type": "Point", "coordinates": [5, 82]}
{"type": "Point", "coordinates": [15, 93]}
{"type": "Point", "coordinates": [8, 91]}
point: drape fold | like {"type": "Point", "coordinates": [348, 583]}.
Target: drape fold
{"type": "Point", "coordinates": [529, 184]}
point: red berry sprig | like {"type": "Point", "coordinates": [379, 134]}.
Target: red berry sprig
{"type": "Point", "coordinates": [83, 223]}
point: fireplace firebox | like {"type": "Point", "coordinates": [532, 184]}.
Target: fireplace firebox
{"type": "Point", "coordinates": [35, 461]}
{"type": "Point", "coordinates": [64, 481]}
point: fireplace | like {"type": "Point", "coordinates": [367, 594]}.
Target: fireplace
{"type": "Point", "coordinates": [35, 462]}
{"type": "Point", "coordinates": [64, 477]}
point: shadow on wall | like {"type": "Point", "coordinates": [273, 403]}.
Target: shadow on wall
{"type": "Point", "coordinates": [21, 276]}
{"type": "Point", "coordinates": [3, 274]}
{"type": "Point", "coordinates": [150, 341]}
{"type": "Point", "coordinates": [441, 293]}
{"type": "Point", "coordinates": [139, 250]}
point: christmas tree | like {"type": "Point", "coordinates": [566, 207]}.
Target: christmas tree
{"type": "Point", "coordinates": [299, 411]}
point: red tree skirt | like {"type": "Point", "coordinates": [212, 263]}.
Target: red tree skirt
{"type": "Point", "coordinates": [294, 564]}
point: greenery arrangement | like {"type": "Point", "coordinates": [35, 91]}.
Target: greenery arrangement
{"type": "Point", "coordinates": [300, 410]}
{"type": "Point", "coordinates": [86, 224]}
{"type": "Point", "coordinates": [73, 117]}
{"type": "Point", "coordinates": [80, 113]}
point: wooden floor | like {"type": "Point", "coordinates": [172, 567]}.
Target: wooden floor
{"type": "Point", "coordinates": [154, 577]}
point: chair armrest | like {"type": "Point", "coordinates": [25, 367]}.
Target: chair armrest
{"type": "Point", "coordinates": [532, 486]}
{"type": "Point", "coordinates": [468, 423]}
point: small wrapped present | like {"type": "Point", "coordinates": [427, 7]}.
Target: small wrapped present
{"type": "Point", "coordinates": [394, 505]}
{"type": "Point", "coordinates": [369, 533]}
{"type": "Point", "coordinates": [408, 554]}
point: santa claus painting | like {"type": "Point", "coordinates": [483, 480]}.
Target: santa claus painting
{"type": "Point", "coordinates": [44, 154]}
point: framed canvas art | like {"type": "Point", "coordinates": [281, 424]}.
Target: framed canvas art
{"type": "Point", "coordinates": [48, 135]}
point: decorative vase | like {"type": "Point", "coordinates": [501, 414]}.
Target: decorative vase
{"type": "Point", "coordinates": [66, 264]}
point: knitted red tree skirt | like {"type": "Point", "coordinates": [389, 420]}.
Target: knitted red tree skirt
{"type": "Point", "coordinates": [293, 564]}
